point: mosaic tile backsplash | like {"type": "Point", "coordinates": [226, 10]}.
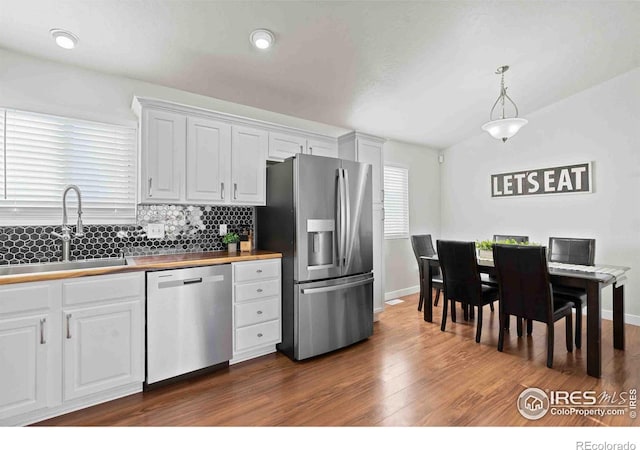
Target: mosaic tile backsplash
{"type": "Point", "coordinates": [187, 229]}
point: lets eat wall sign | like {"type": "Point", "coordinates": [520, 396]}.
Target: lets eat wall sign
{"type": "Point", "coordinates": [552, 180]}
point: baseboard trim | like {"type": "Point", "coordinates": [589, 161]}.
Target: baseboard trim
{"type": "Point", "coordinates": [630, 319]}
{"type": "Point", "coordinates": [402, 292]}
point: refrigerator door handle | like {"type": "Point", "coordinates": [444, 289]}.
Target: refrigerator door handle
{"type": "Point", "coordinates": [343, 219]}
{"type": "Point", "coordinates": [338, 218]}
{"type": "Point", "coordinates": [348, 230]}
{"type": "Point", "coordinates": [337, 287]}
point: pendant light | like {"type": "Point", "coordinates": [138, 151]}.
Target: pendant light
{"type": "Point", "coordinates": [505, 127]}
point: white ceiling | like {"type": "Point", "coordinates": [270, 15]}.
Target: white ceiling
{"type": "Point", "coordinates": [413, 71]}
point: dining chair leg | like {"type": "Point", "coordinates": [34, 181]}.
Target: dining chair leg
{"type": "Point", "coordinates": [453, 308]}
{"type": "Point", "coordinates": [445, 306]}
{"type": "Point", "coordinates": [465, 311]}
{"type": "Point", "coordinates": [569, 332]}
{"type": "Point", "coordinates": [578, 325]}
{"type": "Point", "coordinates": [472, 312]}
{"type": "Point", "coordinates": [421, 289]}
{"type": "Point", "coordinates": [479, 324]}
{"type": "Point", "coordinates": [529, 327]}
{"type": "Point", "coordinates": [435, 303]}
{"type": "Point", "coordinates": [550, 338]}
{"type": "Point", "coordinates": [519, 325]}
{"type": "Point", "coordinates": [503, 320]}
{"type": "Point", "coordinates": [507, 322]}
{"type": "Point", "coordinates": [491, 306]}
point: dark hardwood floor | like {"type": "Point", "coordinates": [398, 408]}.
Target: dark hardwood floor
{"type": "Point", "coordinates": [408, 373]}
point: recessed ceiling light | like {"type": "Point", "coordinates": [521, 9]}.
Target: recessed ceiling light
{"type": "Point", "coordinates": [64, 39]}
{"type": "Point", "coordinates": [262, 39]}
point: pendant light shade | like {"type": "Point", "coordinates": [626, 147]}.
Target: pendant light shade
{"type": "Point", "coordinates": [504, 127]}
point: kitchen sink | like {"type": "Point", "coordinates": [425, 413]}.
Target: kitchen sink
{"type": "Point", "coordinates": [55, 266]}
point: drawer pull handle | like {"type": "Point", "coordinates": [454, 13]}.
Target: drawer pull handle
{"type": "Point", "coordinates": [259, 290]}
{"type": "Point", "coordinates": [259, 312]}
{"type": "Point", "coordinates": [259, 271]}
{"type": "Point", "coordinates": [259, 334]}
{"type": "Point", "coordinates": [68, 326]}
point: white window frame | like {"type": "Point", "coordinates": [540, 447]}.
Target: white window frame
{"type": "Point", "coordinates": [12, 214]}
{"type": "Point", "coordinates": [392, 210]}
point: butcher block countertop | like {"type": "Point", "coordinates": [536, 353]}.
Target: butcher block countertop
{"type": "Point", "coordinates": [140, 263]}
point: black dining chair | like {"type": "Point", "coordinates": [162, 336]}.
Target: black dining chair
{"type": "Point", "coordinates": [504, 237]}
{"type": "Point", "coordinates": [423, 246]}
{"type": "Point", "coordinates": [462, 280]}
{"type": "Point", "coordinates": [526, 292]}
{"type": "Point", "coordinates": [573, 251]}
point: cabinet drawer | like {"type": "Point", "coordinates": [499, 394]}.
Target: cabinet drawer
{"type": "Point", "coordinates": [103, 287]}
{"type": "Point", "coordinates": [256, 312]}
{"type": "Point", "coordinates": [24, 297]}
{"type": "Point", "coordinates": [260, 289]}
{"type": "Point", "coordinates": [257, 335]}
{"type": "Point", "coordinates": [256, 270]}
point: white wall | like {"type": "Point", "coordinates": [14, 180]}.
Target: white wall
{"type": "Point", "coordinates": [601, 124]}
{"type": "Point", "coordinates": [34, 84]}
{"type": "Point", "coordinates": [401, 270]}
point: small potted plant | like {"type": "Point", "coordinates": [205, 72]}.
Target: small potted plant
{"type": "Point", "coordinates": [231, 239]}
{"type": "Point", "coordinates": [485, 249]}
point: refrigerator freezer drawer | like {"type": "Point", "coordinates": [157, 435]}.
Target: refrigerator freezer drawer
{"type": "Point", "coordinates": [257, 335]}
{"type": "Point", "coordinates": [255, 312]}
{"type": "Point", "coordinates": [332, 314]}
{"type": "Point", "coordinates": [261, 289]}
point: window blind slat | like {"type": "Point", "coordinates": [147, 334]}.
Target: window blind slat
{"type": "Point", "coordinates": [396, 202]}
{"type": "Point", "coordinates": [41, 154]}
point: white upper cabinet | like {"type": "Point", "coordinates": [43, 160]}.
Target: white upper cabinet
{"type": "Point", "coordinates": [283, 146]}
{"type": "Point", "coordinates": [208, 150]}
{"type": "Point", "coordinates": [163, 154]}
{"type": "Point", "coordinates": [367, 149]}
{"type": "Point", "coordinates": [248, 165]}
{"type": "Point", "coordinates": [195, 156]}
{"type": "Point", "coordinates": [322, 148]}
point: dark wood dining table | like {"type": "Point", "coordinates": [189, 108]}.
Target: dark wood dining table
{"type": "Point", "coordinates": [591, 282]}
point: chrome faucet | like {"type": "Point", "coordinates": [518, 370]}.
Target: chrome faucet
{"type": "Point", "coordinates": [66, 231]}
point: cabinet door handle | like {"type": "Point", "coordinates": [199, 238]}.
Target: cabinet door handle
{"type": "Point", "coordinates": [222, 191]}
{"type": "Point", "coordinates": [383, 214]}
{"type": "Point", "coordinates": [68, 326]}
{"type": "Point", "coordinates": [259, 334]}
{"type": "Point", "coordinates": [301, 149]}
{"type": "Point", "coordinates": [259, 312]}
{"type": "Point", "coordinates": [42, 339]}
{"type": "Point", "coordinates": [259, 290]}
{"type": "Point", "coordinates": [311, 150]}
{"type": "Point", "coordinates": [150, 190]}
{"type": "Point", "coordinates": [259, 271]}
{"type": "Point", "coordinates": [235, 191]}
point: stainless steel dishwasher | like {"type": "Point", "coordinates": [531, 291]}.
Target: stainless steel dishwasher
{"type": "Point", "coordinates": [188, 320]}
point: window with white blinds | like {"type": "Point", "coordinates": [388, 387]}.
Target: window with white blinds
{"type": "Point", "coordinates": [41, 154]}
{"type": "Point", "coordinates": [396, 202]}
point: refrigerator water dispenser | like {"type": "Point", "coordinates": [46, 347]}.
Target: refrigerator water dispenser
{"type": "Point", "coordinates": [320, 243]}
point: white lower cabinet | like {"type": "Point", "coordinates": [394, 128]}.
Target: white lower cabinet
{"type": "Point", "coordinates": [102, 348]}
{"type": "Point", "coordinates": [23, 365]}
{"type": "Point", "coordinates": [69, 344]}
{"type": "Point", "coordinates": [257, 306]}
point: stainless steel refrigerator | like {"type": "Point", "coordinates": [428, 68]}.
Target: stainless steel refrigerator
{"type": "Point", "coordinates": [318, 215]}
